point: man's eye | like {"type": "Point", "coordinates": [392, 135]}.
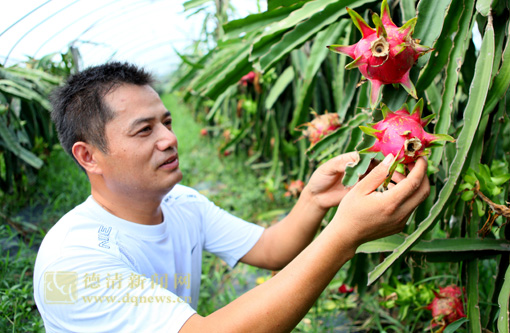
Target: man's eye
{"type": "Point", "coordinates": [145, 129]}
{"type": "Point", "coordinates": [168, 123]}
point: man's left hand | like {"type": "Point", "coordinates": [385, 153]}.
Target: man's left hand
{"type": "Point", "coordinates": [325, 186]}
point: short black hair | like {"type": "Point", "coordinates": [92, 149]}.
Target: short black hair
{"type": "Point", "coordinates": [79, 110]}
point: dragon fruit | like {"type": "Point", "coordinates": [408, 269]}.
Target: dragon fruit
{"type": "Point", "coordinates": [402, 134]}
{"type": "Point", "coordinates": [295, 188]}
{"type": "Point", "coordinates": [321, 126]}
{"type": "Point", "coordinates": [384, 55]}
{"type": "Point", "coordinates": [447, 307]}
{"type": "Point", "coordinates": [248, 78]}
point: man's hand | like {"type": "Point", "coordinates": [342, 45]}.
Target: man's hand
{"type": "Point", "coordinates": [365, 214]}
{"type": "Point", "coordinates": [325, 186]}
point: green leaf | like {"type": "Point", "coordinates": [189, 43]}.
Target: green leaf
{"type": "Point", "coordinates": [191, 4]}
{"type": "Point", "coordinates": [500, 180]}
{"type": "Point", "coordinates": [221, 59]}
{"type": "Point", "coordinates": [483, 7]}
{"type": "Point", "coordinates": [15, 89]}
{"type": "Point", "coordinates": [442, 48]}
{"type": "Point", "coordinates": [369, 130]}
{"type": "Point", "coordinates": [431, 17]}
{"type": "Point", "coordinates": [352, 173]}
{"type": "Point", "coordinates": [258, 21]}
{"type": "Point", "coordinates": [467, 196]}
{"type": "Point", "coordinates": [503, 301]}
{"type": "Point", "coordinates": [304, 24]}
{"type": "Point", "coordinates": [228, 74]}
{"type": "Point", "coordinates": [220, 100]}
{"type": "Point", "coordinates": [462, 247]}
{"type": "Point", "coordinates": [472, 115]}
{"type": "Point", "coordinates": [317, 55]}
{"type": "Point", "coordinates": [190, 74]}
{"type": "Point", "coordinates": [303, 32]}
{"type": "Point", "coordinates": [279, 86]}
{"type": "Point", "coordinates": [10, 142]}
{"type": "Point", "coordinates": [408, 9]}
{"type": "Point", "coordinates": [502, 80]}
{"type": "Point", "coordinates": [275, 4]}
{"type": "Point", "coordinates": [33, 74]}
{"type": "Point", "coordinates": [456, 58]}
{"type": "Point", "coordinates": [186, 60]}
{"type": "Point", "coordinates": [480, 210]}
{"type": "Point", "coordinates": [433, 98]}
{"type": "Point", "coordinates": [473, 306]}
{"type": "Point", "coordinates": [453, 327]}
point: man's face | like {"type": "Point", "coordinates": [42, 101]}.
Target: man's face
{"type": "Point", "coordinates": [142, 148]}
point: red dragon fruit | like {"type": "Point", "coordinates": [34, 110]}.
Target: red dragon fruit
{"type": "Point", "coordinates": [447, 307]}
{"type": "Point", "coordinates": [402, 134]}
{"type": "Point", "coordinates": [295, 188]}
{"type": "Point", "coordinates": [248, 78]}
{"type": "Point", "coordinates": [321, 126]}
{"type": "Point", "coordinates": [384, 55]}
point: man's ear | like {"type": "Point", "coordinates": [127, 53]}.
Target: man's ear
{"type": "Point", "coordinates": [86, 155]}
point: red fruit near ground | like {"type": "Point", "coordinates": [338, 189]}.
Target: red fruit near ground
{"type": "Point", "coordinates": [345, 289]}
{"type": "Point", "coordinates": [447, 307]}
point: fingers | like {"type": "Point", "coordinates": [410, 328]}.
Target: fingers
{"type": "Point", "coordinates": [344, 160]}
{"type": "Point", "coordinates": [340, 162]}
{"type": "Point", "coordinates": [376, 177]}
{"type": "Point", "coordinates": [414, 188]}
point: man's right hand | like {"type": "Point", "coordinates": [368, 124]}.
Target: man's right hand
{"type": "Point", "coordinates": [366, 214]}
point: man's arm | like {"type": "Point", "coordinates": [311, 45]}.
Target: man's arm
{"type": "Point", "coordinates": [283, 241]}
{"type": "Point", "coordinates": [363, 215]}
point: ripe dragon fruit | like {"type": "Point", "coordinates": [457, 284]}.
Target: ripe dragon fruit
{"type": "Point", "coordinates": [384, 55]}
{"type": "Point", "coordinates": [447, 307]}
{"type": "Point", "coordinates": [321, 126]}
{"type": "Point", "coordinates": [402, 134]}
{"type": "Point", "coordinates": [295, 188]}
{"type": "Point", "coordinates": [248, 78]}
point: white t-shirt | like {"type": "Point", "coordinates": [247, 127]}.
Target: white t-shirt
{"type": "Point", "coordinates": [96, 272]}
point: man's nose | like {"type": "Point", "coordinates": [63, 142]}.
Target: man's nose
{"type": "Point", "coordinates": [166, 138]}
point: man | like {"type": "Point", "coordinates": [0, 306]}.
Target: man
{"type": "Point", "coordinates": [129, 257]}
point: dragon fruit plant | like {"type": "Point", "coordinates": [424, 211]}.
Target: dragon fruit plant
{"type": "Point", "coordinates": [320, 126]}
{"type": "Point", "coordinates": [402, 134]}
{"type": "Point", "coordinates": [384, 55]}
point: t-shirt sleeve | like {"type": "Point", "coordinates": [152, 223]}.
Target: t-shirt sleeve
{"type": "Point", "coordinates": [103, 294]}
{"type": "Point", "coordinates": [227, 236]}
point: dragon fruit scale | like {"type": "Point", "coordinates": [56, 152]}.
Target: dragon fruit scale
{"type": "Point", "coordinates": [384, 55]}
{"type": "Point", "coordinates": [402, 134]}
